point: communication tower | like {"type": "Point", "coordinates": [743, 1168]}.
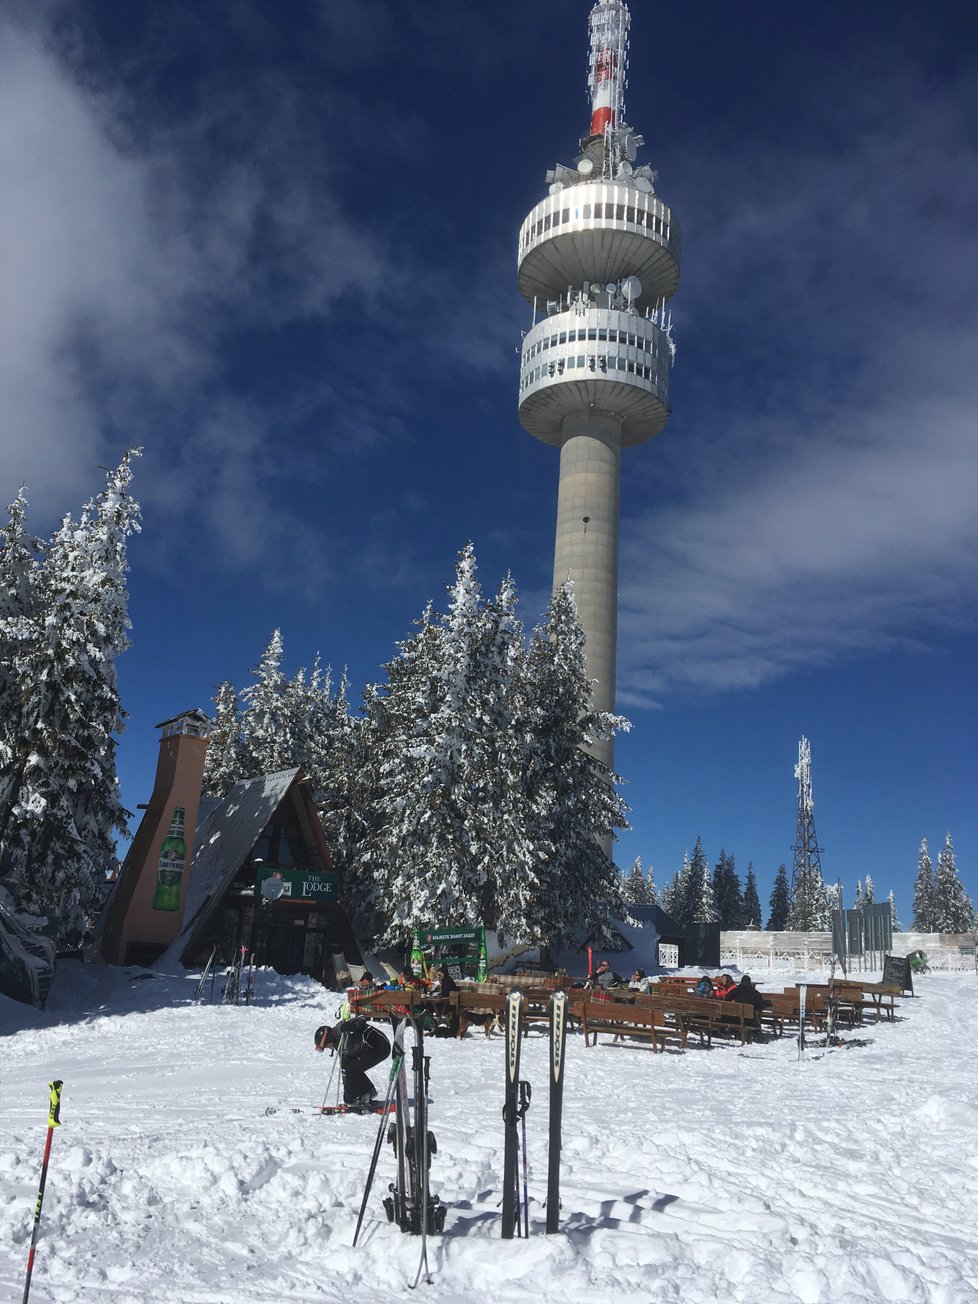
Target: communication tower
{"type": "Point", "coordinates": [809, 903]}
{"type": "Point", "coordinates": [598, 260]}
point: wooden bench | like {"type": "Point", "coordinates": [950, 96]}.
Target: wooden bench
{"type": "Point", "coordinates": [708, 1017]}
{"type": "Point", "coordinates": [624, 1019]}
{"type": "Point", "coordinates": [486, 1005]}
{"type": "Point", "coordinates": [786, 1008]}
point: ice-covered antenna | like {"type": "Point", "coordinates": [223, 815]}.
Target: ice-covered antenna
{"type": "Point", "coordinates": [803, 773]}
{"type": "Point", "coordinates": [608, 64]}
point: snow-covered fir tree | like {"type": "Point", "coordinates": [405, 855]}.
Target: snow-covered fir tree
{"type": "Point", "coordinates": [858, 900]}
{"type": "Point", "coordinates": [894, 921]}
{"type": "Point", "coordinates": [779, 903]}
{"type": "Point", "coordinates": [752, 902]}
{"type": "Point", "coordinates": [650, 888]}
{"type": "Point", "coordinates": [727, 893]}
{"type": "Point", "coordinates": [809, 901]}
{"type": "Point", "coordinates": [924, 892]}
{"type": "Point", "coordinates": [676, 892]}
{"type": "Point", "coordinates": [869, 892]}
{"type": "Point", "coordinates": [20, 631]}
{"type": "Point", "coordinates": [954, 911]}
{"type": "Point", "coordinates": [636, 888]}
{"type": "Point", "coordinates": [572, 807]}
{"type": "Point", "coordinates": [224, 761]}
{"type": "Point", "coordinates": [58, 840]}
{"type": "Point", "coordinates": [268, 723]}
{"type": "Point", "coordinates": [432, 851]}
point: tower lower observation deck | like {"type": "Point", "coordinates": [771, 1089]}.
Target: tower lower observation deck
{"type": "Point", "coordinates": [598, 259]}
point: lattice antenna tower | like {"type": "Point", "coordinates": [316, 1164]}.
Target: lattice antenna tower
{"type": "Point", "coordinates": [807, 864]}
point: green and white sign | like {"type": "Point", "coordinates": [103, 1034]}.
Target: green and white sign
{"type": "Point", "coordinates": [300, 885]}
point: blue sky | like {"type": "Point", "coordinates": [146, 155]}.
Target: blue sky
{"type": "Point", "coordinates": [275, 245]}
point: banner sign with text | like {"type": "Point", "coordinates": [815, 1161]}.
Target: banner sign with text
{"type": "Point", "coordinates": [300, 885]}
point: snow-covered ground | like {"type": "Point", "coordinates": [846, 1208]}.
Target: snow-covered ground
{"type": "Point", "coordinates": [707, 1176]}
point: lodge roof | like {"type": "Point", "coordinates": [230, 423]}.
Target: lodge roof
{"type": "Point", "coordinates": [224, 837]}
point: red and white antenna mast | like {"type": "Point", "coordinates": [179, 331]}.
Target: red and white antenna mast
{"type": "Point", "coordinates": [607, 65]}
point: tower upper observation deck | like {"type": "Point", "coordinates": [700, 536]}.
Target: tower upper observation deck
{"type": "Point", "coordinates": [599, 258]}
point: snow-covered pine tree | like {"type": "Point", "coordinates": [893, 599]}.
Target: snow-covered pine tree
{"type": "Point", "coordinates": [954, 911]}
{"type": "Point", "coordinates": [59, 839]}
{"type": "Point", "coordinates": [727, 893]}
{"type": "Point", "coordinates": [677, 891]}
{"type": "Point", "coordinates": [869, 892]}
{"type": "Point", "coordinates": [894, 921]}
{"type": "Point", "coordinates": [268, 721]}
{"type": "Point", "coordinates": [224, 761]}
{"type": "Point", "coordinates": [859, 900]}
{"type": "Point", "coordinates": [341, 777]}
{"type": "Point", "coordinates": [573, 807]}
{"type": "Point", "coordinates": [634, 890]}
{"type": "Point", "coordinates": [650, 888]}
{"type": "Point", "coordinates": [924, 892]}
{"type": "Point", "coordinates": [809, 901]}
{"type": "Point", "coordinates": [20, 630]}
{"type": "Point", "coordinates": [779, 904]}
{"type": "Point", "coordinates": [700, 904]}
{"type": "Point", "coordinates": [432, 845]}
{"type": "Point", "coordinates": [752, 902]}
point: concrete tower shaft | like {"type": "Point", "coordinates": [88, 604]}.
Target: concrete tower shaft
{"type": "Point", "coordinates": [598, 259]}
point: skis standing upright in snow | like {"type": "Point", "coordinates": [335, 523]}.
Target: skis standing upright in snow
{"type": "Point", "coordinates": [802, 1001]}
{"type": "Point", "coordinates": [397, 1063]}
{"type": "Point", "coordinates": [558, 1043]}
{"type": "Point", "coordinates": [511, 1115]}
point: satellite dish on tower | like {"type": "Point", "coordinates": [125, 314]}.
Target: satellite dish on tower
{"type": "Point", "coordinates": [628, 146]}
{"type": "Point", "coordinates": [631, 288]}
{"type": "Point", "coordinates": [585, 167]}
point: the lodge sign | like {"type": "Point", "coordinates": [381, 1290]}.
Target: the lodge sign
{"type": "Point", "coordinates": [300, 885]}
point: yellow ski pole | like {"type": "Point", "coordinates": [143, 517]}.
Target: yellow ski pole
{"type": "Point", "coordinates": [54, 1121]}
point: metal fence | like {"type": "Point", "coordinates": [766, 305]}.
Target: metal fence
{"type": "Point", "coordinates": [755, 952]}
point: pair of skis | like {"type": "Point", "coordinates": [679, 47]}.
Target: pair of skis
{"type": "Point", "coordinates": [517, 1102]}
{"type": "Point", "coordinates": [410, 1203]}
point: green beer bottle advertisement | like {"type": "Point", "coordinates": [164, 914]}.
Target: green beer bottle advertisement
{"type": "Point", "coordinates": [169, 872]}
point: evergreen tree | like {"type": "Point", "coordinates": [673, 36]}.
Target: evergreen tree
{"type": "Point", "coordinates": [676, 892]}
{"type": "Point", "coordinates": [954, 912]}
{"type": "Point", "coordinates": [20, 631]}
{"type": "Point", "coordinates": [924, 893]}
{"type": "Point", "coordinates": [634, 890]}
{"type": "Point", "coordinates": [809, 901]}
{"type": "Point", "coordinates": [650, 888]}
{"type": "Point", "coordinates": [268, 723]}
{"type": "Point", "coordinates": [869, 894]}
{"type": "Point", "coordinates": [727, 893]}
{"type": "Point", "coordinates": [572, 805]}
{"type": "Point", "coordinates": [859, 900]}
{"type": "Point", "coordinates": [779, 905]}
{"type": "Point", "coordinates": [894, 921]}
{"type": "Point", "coordinates": [58, 840]}
{"type": "Point", "coordinates": [224, 761]}
{"type": "Point", "coordinates": [752, 902]}
{"type": "Point", "coordinates": [699, 903]}
{"type": "Point", "coordinates": [436, 849]}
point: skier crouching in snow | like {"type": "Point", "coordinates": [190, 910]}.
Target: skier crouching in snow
{"type": "Point", "coordinates": [361, 1047]}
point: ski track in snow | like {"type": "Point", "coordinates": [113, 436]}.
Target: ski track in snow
{"type": "Point", "coordinates": [723, 1175]}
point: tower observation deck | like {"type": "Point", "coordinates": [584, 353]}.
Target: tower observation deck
{"type": "Point", "coordinates": [598, 260]}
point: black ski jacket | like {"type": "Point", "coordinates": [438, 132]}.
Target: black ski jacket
{"type": "Point", "coordinates": [362, 1041]}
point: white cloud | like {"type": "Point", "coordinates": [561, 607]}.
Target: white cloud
{"type": "Point", "coordinates": [819, 502]}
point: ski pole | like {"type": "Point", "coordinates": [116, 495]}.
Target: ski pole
{"type": "Point", "coordinates": [381, 1132]}
{"type": "Point", "coordinates": [524, 1106]}
{"type": "Point", "coordinates": [54, 1120]}
{"type": "Point", "coordinates": [329, 1083]}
